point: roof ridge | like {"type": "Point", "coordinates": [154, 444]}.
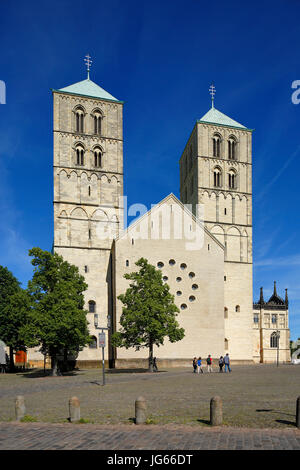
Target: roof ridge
{"type": "Point", "coordinates": [214, 116]}
{"type": "Point", "coordinates": [88, 88]}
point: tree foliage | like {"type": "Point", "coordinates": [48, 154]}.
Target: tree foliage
{"type": "Point", "coordinates": [149, 313]}
{"type": "Point", "coordinates": [14, 311]}
{"type": "Point", "coordinates": [57, 318]}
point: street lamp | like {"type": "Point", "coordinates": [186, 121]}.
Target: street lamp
{"type": "Point", "coordinates": [278, 337]}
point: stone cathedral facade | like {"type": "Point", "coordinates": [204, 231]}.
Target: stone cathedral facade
{"type": "Point", "coordinates": [210, 276]}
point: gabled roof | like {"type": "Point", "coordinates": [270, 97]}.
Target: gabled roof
{"type": "Point", "coordinates": [88, 88]}
{"type": "Point", "coordinates": [214, 116]}
{"type": "Point", "coordinates": [275, 299]}
{"type": "Point", "coordinates": [274, 302]}
{"type": "Point", "coordinates": [170, 198]}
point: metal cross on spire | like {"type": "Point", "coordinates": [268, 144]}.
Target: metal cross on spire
{"type": "Point", "coordinates": [212, 91]}
{"type": "Point", "coordinates": [88, 63]}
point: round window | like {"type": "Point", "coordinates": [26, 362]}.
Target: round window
{"type": "Point", "coordinates": [160, 264]}
{"type": "Point", "coordinates": [192, 298]}
{"type": "Point", "coordinates": [172, 262]}
{"type": "Point", "coordinates": [178, 279]}
{"type": "Point", "coordinates": [195, 286]}
{"type": "Point", "coordinates": [183, 266]}
{"type": "Point", "coordinates": [191, 275]}
{"type": "Point", "coordinates": [165, 278]}
{"type": "Point", "coordinates": [183, 306]}
{"type": "Point", "coordinates": [179, 292]}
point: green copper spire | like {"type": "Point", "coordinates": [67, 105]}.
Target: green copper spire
{"type": "Point", "coordinates": [213, 116]}
{"type": "Point", "coordinates": [87, 87]}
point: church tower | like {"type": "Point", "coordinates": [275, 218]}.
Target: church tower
{"type": "Point", "coordinates": [88, 184]}
{"type": "Point", "coordinates": [216, 174]}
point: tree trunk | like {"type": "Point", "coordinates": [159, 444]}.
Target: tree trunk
{"type": "Point", "coordinates": [11, 359]}
{"type": "Point", "coordinates": [54, 371]}
{"type": "Point", "coordinates": [150, 369]}
{"type": "Point", "coordinates": [66, 368]}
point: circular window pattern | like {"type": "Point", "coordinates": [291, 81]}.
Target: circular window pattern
{"type": "Point", "coordinates": [183, 266]}
{"type": "Point", "coordinates": [183, 306]}
{"type": "Point", "coordinates": [160, 264]}
{"type": "Point", "coordinates": [191, 275]}
{"type": "Point", "coordinates": [172, 262]}
{"type": "Point", "coordinates": [178, 279]}
{"type": "Point", "coordinates": [192, 298]}
{"type": "Point", "coordinates": [165, 278]}
{"type": "Point", "coordinates": [195, 286]}
{"type": "Point", "coordinates": [179, 292]}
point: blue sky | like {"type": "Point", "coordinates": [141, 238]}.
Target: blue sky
{"type": "Point", "coordinates": [160, 58]}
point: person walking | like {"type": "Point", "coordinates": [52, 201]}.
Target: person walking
{"type": "Point", "coordinates": [221, 363]}
{"type": "Point", "coordinates": [227, 362]}
{"type": "Point", "coordinates": [209, 364]}
{"type": "Point", "coordinates": [199, 365]}
{"type": "Point", "coordinates": [155, 365]}
{"type": "Point", "coordinates": [195, 365]}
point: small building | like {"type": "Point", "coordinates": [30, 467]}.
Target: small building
{"type": "Point", "coordinates": [271, 328]}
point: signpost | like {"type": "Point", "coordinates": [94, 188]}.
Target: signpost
{"type": "Point", "coordinates": [102, 344]}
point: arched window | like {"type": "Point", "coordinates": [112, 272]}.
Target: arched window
{"type": "Point", "coordinates": [237, 308]}
{"type": "Point", "coordinates": [97, 122]}
{"type": "Point", "coordinates": [79, 155]}
{"type": "Point", "coordinates": [92, 306]}
{"type": "Point", "coordinates": [93, 344]}
{"type": "Point", "coordinates": [216, 146]}
{"type": "Point", "coordinates": [98, 158]}
{"type": "Point", "coordinates": [226, 344]}
{"type": "Point", "coordinates": [79, 120]}
{"type": "Point", "coordinates": [217, 178]}
{"type": "Point", "coordinates": [232, 148]}
{"type": "Point", "coordinates": [274, 339]}
{"type": "Point", "coordinates": [232, 179]}
{"type": "Point", "coordinates": [225, 312]}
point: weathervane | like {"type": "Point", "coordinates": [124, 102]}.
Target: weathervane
{"type": "Point", "coordinates": [88, 63]}
{"type": "Point", "coordinates": [212, 91]}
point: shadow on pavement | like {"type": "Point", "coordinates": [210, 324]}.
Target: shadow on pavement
{"type": "Point", "coordinates": [131, 371]}
{"type": "Point", "coordinates": [283, 421]}
{"type": "Point", "coordinates": [40, 373]}
{"type": "Point", "coordinates": [204, 421]}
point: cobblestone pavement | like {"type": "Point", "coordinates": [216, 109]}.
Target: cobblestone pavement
{"type": "Point", "coordinates": [42, 436]}
{"type": "Point", "coordinates": [261, 396]}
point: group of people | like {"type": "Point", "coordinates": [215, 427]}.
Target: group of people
{"type": "Point", "coordinates": [223, 361]}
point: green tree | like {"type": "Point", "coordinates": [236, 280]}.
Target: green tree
{"type": "Point", "coordinates": [149, 313]}
{"type": "Point", "coordinates": [57, 318]}
{"type": "Point", "coordinates": [14, 309]}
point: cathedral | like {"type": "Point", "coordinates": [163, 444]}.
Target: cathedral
{"type": "Point", "coordinates": [202, 243]}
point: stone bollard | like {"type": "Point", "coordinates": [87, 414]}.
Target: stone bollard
{"type": "Point", "coordinates": [20, 407]}
{"type": "Point", "coordinates": [216, 414]}
{"type": "Point", "coordinates": [140, 411]}
{"type": "Point", "coordinates": [298, 413]}
{"type": "Point", "coordinates": [74, 409]}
